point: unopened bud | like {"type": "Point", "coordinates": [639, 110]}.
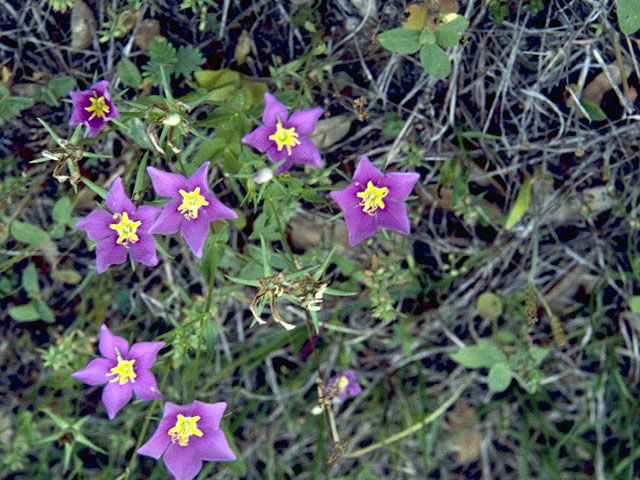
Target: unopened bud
{"type": "Point", "coordinates": [263, 175]}
{"type": "Point", "coordinates": [172, 119]}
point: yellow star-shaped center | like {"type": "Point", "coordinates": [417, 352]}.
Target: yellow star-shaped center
{"type": "Point", "coordinates": [126, 229]}
{"type": "Point", "coordinates": [183, 429]}
{"type": "Point", "coordinates": [372, 198]}
{"type": "Point", "coordinates": [98, 107]}
{"type": "Point", "coordinates": [191, 203]}
{"type": "Point", "coordinates": [285, 137]}
{"type": "Point", "coordinates": [123, 371]}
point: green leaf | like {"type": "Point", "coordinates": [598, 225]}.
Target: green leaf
{"type": "Point", "coordinates": [499, 377]}
{"type": "Point", "coordinates": [400, 40]}
{"type": "Point", "coordinates": [11, 106]}
{"type": "Point", "coordinates": [138, 134]}
{"type": "Point", "coordinates": [427, 37]}
{"type": "Point", "coordinates": [489, 305]}
{"type": "Point", "coordinates": [634, 303]}
{"type": "Point", "coordinates": [593, 109]}
{"type": "Point", "coordinates": [62, 85]}
{"type": "Point", "coordinates": [237, 466]}
{"type": "Point", "coordinates": [538, 353]}
{"type": "Point", "coordinates": [483, 354]}
{"type": "Point", "coordinates": [129, 73]}
{"type": "Point", "coordinates": [70, 277]}
{"type": "Point", "coordinates": [30, 280]}
{"type": "Point", "coordinates": [448, 172]}
{"type": "Point", "coordinates": [435, 61]}
{"type": "Point", "coordinates": [189, 59]}
{"type": "Point", "coordinates": [520, 207]}
{"type": "Point", "coordinates": [24, 313]}
{"type": "Point", "coordinates": [163, 54]}
{"type": "Point", "coordinates": [43, 310]}
{"type": "Point", "coordinates": [449, 32]}
{"type": "Point", "coordinates": [61, 211]}
{"type": "Point", "coordinates": [629, 16]}
{"type": "Point", "coordinates": [29, 234]}
{"type": "Point", "coordinates": [101, 192]}
{"type": "Point", "coordinates": [211, 79]}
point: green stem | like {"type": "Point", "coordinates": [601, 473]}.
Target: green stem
{"type": "Point", "coordinates": [203, 318]}
{"type": "Point", "coordinates": [282, 233]}
{"type": "Point", "coordinates": [145, 425]}
{"type": "Point", "coordinates": [414, 428]}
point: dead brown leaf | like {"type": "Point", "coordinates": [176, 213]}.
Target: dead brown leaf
{"type": "Point", "coordinates": [83, 25]}
{"type": "Point", "coordinates": [146, 32]}
{"type": "Point", "coordinates": [243, 48]}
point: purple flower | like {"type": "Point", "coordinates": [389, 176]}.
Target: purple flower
{"type": "Point", "coordinates": [127, 229]}
{"type": "Point", "coordinates": [93, 107]}
{"type": "Point", "coordinates": [187, 435]}
{"type": "Point", "coordinates": [283, 137]}
{"type": "Point", "coordinates": [347, 383]}
{"type": "Point", "coordinates": [192, 210]}
{"type": "Point", "coordinates": [123, 369]}
{"type": "Point", "coordinates": [375, 200]}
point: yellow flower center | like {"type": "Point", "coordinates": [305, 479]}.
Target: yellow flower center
{"type": "Point", "coordinates": [123, 371]}
{"type": "Point", "coordinates": [183, 429]}
{"type": "Point", "coordinates": [372, 198]}
{"type": "Point", "coordinates": [343, 383]}
{"type": "Point", "coordinates": [126, 229]}
{"type": "Point", "coordinates": [285, 137]}
{"type": "Point", "coordinates": [191, 202]}
{"type": "Point", "coordinates": [97, 108]}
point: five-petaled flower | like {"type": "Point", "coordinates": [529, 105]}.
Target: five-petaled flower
{"type": "Point", "coordinates": [347, 383]}
{"type": "Point", "coordinates": [192, 210]}
{"type": "Point", "coordinates": [125, 230]}
{"type": "Point", "coordinates": [375, 200]}
{"type": "Point", "coordinates": [282, 136]}
{"type": "Point", "coordinates": [187, 435]}
{"type": "Point", "coordinates": [93, 107]}
{"type": "Point", "coordinates": [124, 370]}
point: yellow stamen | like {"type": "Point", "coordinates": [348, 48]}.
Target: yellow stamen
{"type": "Point", "coordinates": [97, 108]}
{"type": "Point", "coordinates": [343, 383]}
{"type": "Point", "coordinates": [126, 229]}
{"type": "Point", "coordinates": [123, 371]}
{"type": "Point", "coordinates": [285, 137]}
{"type": "Point", "coordinates": [372, 198]}
{"type": "Point", "coordinates": [183, 429]}
{"type": "Point", "coordinates": [191, 202]}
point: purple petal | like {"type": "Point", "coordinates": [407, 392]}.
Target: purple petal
{"type": "Point", "coordinates": [210, 414]}
{"type": "Point", "coordinates": [275, 156]}
{"type": "Point", "coordinates": [147, 215]}
{"type": "Point", "coordinates": [354, 389]}
{"type": "Point", "coordinates": [259, 139]}
{"type": "Point", "coordinates": [166, 184]}
{"type": "Point", "coordinates": [108, 252]}
{"type": "Point", "coordinates": [365, 171]}
{"type": "Point", "coordinates": [144, 250]}
{"type": "Point", "coordinates": [95, 125]}
{"type": "Point", "coordinates": [100, 88]}
{"type": "Point", "coordinates": [198, 179]}
{"type": "Point", "coordinates": [80, 101]}
{"type": "Point", "coordinates": [156, 445]}
{"type": "Point", "coordinates": [305, 121]}
{"type": "Point", "coordinates": [116, 396]}
{"type": "Point", "coordinates": [306, 152]}
{"type": "Point", "coordinates": [394, 216]}
{"type": "Point", "coordinates": [350, 375]}
{"type": "Point", "coordinates": [96, 224]}
{"type": "Point", "coordinates": [145, 386]}
{"type": "Point", "coordinates": [169, 219]}
{"type": "Point", "coordinates": [359, 224]}
{"type": "Point", "coordinates": [182, 462]}
{"type": "Point", "coordinates": [144, 353]}
{"type": "Point", "coordinates": [212, 446]}
{"type": "Point", "coordinates": [284, 166]}
{"type": "Point", "coordinates": [95, 373]}
{"type": "Point", "coordinates": [117, 201]}
{"type": "Point", "coordinates": [109, 343]}
{"type": "Point", "coordinates": [273, 110]}
{"type": "Point", "coordinates": [216, 210]}
{"type": "Point", "coordinates": [400, 184]}
{"type": "Point", "coordinates": [195, 233]}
